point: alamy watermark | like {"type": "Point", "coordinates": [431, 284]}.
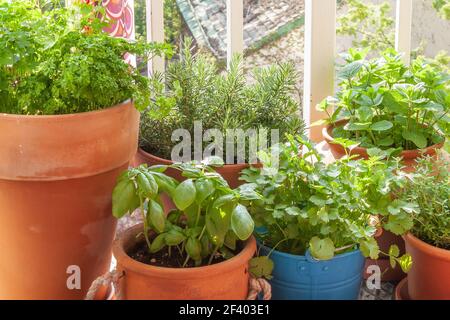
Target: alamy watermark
{"type": "Point", "coordinates": [73, 281]}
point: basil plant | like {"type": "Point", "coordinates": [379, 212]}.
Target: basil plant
{"type": "Point", "coordinates": [327, 209]}
{"type": "Point", "coordinates": [389, 105]}
{"type": "Point", "coordinates": [209, 218]}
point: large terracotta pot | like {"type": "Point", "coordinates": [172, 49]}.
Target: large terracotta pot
{"type": "Point", "coordinates": [409, 156]}
{"type": "Point", "coordinates": [57, 174]}
{"type": "Point", "coordinates": [227, 280]}
{"type": "Point", "coordinates": [429, 277]}
{"type": "Point", "coordinates": [230, 172]}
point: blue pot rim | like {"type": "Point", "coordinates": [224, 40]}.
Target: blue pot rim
{"type": "Point", "coordinates": [308, 255]}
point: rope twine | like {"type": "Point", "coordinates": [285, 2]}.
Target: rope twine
{"type": "Point", "coordinates": [256, 286]}
{"type": "Point", "coordinates": [108, 279]}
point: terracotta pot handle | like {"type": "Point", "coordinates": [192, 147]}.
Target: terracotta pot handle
{"type": "Point", "coordinates": [110, 277]}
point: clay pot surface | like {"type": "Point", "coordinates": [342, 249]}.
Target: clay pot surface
{"type": "Point", "coordinates": [401, 290]}
{"type": "Point", "coordinates": [429, 277]}
{"type": "Point", "coordinates": [409, 156]}
{"type": "Point", "coordinates": [226, 280]}
{"type": "Point", "coordinates": [230, 172]}
{"type": "Point", "coordinates": [57, 174]}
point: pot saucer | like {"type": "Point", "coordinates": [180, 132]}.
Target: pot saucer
{"type": "Point", "coordinates": [401, 290]}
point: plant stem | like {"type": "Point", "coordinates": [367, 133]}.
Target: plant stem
{"type": "Point", "coordinates": [372, 136]}
{"type": "Point", "coordinates": [274, 247]}
{"type": "Point", "coordinates": [213, 254]}
{"type": "Point", "coordinates": [141, 208]}
{"type": "Point", "coordinates": [344, 248]}
{"type": "Point", "coordinates": [201, 234]}
{"type": "Point", "coordinates": [198, 216]}
{"type": "Point", "coordinates": [186, 261]}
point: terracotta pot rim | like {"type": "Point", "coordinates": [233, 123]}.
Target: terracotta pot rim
{"type": "Point", "coordinates": [93, 113]}
{"type": "Point", "coordinates": [406, 154]}
{"type": "Point", "coordinates": [177, 273]}
{"type": "Point", "coordinates": [429, 249]}
{"type": "Point", "coordinates": [401, 290]}
{"type": "Point", "coordinates": [57, 164]}
{"type": "Point", "coordinates": [146, 154]}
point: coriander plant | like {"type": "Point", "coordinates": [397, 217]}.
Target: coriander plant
{"type": "Point", "coordinates": [390, 105]}
{"type": "Point", "coordinates": [326, 208]}
{"type": "Point", "coordinates": [57, 60]}
{"type": "Point", "coordinates": [209, 218]}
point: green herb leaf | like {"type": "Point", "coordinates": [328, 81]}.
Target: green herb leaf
{"type": "Point", "coordinates": [416, 137]}
{"type": "Point", "coordinates": [260, 267]}
{"type": "Point", "coordinates": [194, 248]}
{"type": "Point", "coordinates": [204, 188]}
{"type": "Point", "coordinates": [321, 249]}
{"type": "Point", "coordinates": [174, 237]}
{"type": "Point", "coordinates": [184, 194]}
{"type": "Point", "coordinates": [148, 188]}
{"type": "Point", "coordinates": [124, 198]}
{"type": "Point", "coordinates": [350, 70]}
{"type": "Point", "coordinates": [158, 243]}
{"type": "Point", "coordinates": [241, 222]}
{"type": "Point", "coordinates": [382, 125]}
{"type": "Point", "coordinates": [369, 248]}
{"type": "Point", "coordinates": [156, 216]}
{"type": "Point", "coordinates": [405, 262]}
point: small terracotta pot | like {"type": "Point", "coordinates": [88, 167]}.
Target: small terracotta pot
{"type": "Point", "coordinates": [230, 172]}
{"type": "Point", "coordinates": [409, 156]}
{"type": "Point", "coordinates": [226, 280]}
{"type": "Point", "coordinates": [429, 277]}
{"type": "Point", "coordinates": [401, 290]}
{"type": "Point", "coordinates": [57, 174]}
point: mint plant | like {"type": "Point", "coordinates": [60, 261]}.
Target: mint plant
{"type": "Point", "coordinates": [328, 209]}
{"type": "Point", "coordinates": [389, 105]}
{"type": "Point", "coordinates": [209, 218]}
{"type": "Point", "coordinates": [57, 60]}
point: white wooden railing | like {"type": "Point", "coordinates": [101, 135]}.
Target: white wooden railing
{"type": "Point", "coordinates": [320, 44]}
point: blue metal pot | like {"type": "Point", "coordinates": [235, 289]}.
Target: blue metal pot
{"type": "Point", "coordinates": [305, 278]}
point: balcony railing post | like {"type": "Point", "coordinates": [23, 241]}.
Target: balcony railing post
{"type": "Point", "coordinates": [155, 31]}
{"type": "Point", "coordinates": [403, 28]}
{"type": "Point", "coordinates": [320, 43]}
{"type": "Point", "coordinates": [235, 28]}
